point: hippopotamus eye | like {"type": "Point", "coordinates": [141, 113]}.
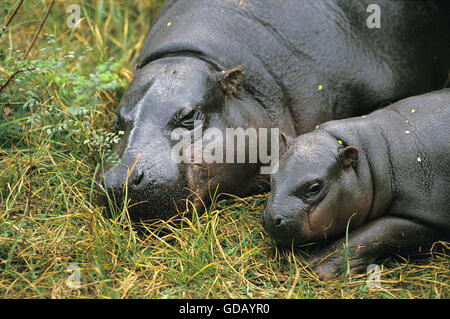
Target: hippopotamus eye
{"type": "Point", "coordinates": [313, 189]}
{"type": "Point", "coordinates": [188, 120]}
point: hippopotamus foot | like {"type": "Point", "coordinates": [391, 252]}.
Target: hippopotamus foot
{"type": "Point", "coordinates": [330, 262]}
{"type": "Point", "coordinates": [371, 242]}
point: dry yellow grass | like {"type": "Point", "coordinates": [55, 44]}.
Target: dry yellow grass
{"type": "Point", "coordinates": [48, 219]}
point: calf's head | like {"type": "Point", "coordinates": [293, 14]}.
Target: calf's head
{"type": "Point", "coordinates": [316, 191]}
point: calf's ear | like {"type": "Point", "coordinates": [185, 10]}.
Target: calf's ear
{"type": "Point", "coordinates": [348, 156]}
{"type": "Point", "coordinates": [231, 80]}
{"type": "Point", "coordinates": [285, 140]}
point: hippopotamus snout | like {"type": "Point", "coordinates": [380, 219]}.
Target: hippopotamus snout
{"type": "Point", "coordinates": [144, 191]}
{"type": "Point", "coordinates": [147, 181]}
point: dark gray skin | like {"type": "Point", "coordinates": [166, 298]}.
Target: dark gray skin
{"type": "Point", "coordinates": [390, 175]}
{"type": "Point", "coordinates": [259, 64]}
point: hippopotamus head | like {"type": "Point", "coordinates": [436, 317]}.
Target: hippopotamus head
{"type": "Point", "coordinates": [315, 191]}
{"type": "Point", "coordinates": [179, 93]}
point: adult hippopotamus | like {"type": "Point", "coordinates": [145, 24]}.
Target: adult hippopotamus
{"type": "Point", "coordinates": [386, 175]}
{"type": "Point", "coordinates": [260, 64]}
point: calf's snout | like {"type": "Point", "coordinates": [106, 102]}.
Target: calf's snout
{"type": "Point", "coordinates": [282, 228]}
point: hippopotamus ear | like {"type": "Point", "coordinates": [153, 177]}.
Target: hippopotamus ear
{"type": "Point", "coordinates": [231, 80]}
{"type": "Point", "coordinates": [286, 140]}
{"type": "Point", "coordinates": [348, 156]}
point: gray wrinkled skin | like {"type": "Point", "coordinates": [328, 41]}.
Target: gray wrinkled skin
{"type": "Point", "coordinates": [286, 50]}
{"type": "Point", "coordinates": [391, 173]}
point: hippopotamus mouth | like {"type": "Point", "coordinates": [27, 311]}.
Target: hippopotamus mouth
{"type": "Point", "coordinates": [139, 205]}
{"type": "Point", "coordinates": [193, 187]}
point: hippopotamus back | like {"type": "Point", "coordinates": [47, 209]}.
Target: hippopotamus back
{"type": "Point", "coordinates": [408, 146]}
{"type": "Point", "coordinates": [286, 63]}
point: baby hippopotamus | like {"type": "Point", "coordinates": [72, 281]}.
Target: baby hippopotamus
{"type": "Point", "coordinates": [385, 175]}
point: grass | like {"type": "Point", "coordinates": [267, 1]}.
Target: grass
{"type": "Point", "coordinates": [54, 136]}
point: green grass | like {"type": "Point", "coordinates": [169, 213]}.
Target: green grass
{"type": "Point", "coordinates": [54, 125]}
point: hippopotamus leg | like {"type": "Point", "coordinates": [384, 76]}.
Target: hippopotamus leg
{"type": "Point", "coordinates": [366, 245]}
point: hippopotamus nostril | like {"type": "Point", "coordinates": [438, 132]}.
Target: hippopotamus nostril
{"type": "Point", "coordinates": [279, 221]}
{"type": "Point", "coordinates": [138, 178]}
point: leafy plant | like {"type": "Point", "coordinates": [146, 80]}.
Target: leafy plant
{"type": "Point", "coordinates": [61, 98]}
